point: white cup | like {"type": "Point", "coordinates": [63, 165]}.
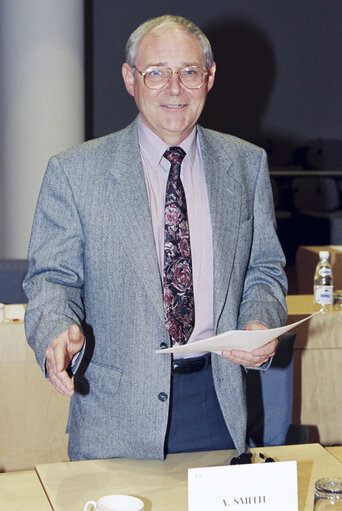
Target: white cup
{"type": "Point", "coordinates": [116, 503]}
{"type": "Point", "coordinates": [2, 312]}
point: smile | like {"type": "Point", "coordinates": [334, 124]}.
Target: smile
{"type": "Point", "coordinates": [174, 107]}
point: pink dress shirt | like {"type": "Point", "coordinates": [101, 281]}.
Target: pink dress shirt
{"type": "Point", "coordinates": [156, 169]}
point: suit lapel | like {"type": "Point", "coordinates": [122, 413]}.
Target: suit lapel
{"type": "Point", "coordinates": [129, 190]}
{"type": "Point", "coordinates": [225, 203]}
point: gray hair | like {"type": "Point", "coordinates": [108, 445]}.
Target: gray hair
{"type": "Point", "coordinates": [165, 22]}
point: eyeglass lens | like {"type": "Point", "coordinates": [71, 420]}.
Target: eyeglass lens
{"type": "Point", "coordinates": [156, 77]}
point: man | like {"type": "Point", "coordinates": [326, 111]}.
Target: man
{"type": "Point", "coordinates": [96, 275]}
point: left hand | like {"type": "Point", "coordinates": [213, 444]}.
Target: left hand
{"type": "Point", "coordinates": [256, 357]}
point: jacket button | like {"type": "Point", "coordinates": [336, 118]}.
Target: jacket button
{"type": "Point", "coordinates": [163, 345]}
{"type": "Point", "coordinates": [162, 396]}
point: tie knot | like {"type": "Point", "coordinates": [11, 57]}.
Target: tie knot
{"type": "Point", "coordinates": [174, 155]}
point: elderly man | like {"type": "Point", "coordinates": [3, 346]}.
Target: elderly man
{"type": "Point", "coordinates": [162, 233]}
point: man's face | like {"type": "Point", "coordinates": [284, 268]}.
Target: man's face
{"type": "Point", "coordinates": [172, 111]}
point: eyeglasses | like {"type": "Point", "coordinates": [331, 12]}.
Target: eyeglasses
{"type": "Point", "coordinates": [155, 77]}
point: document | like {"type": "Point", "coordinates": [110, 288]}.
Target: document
{"type": "Point", "coordinates": [247, 340]}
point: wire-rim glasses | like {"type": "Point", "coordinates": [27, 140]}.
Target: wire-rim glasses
{"type": "Point", "coordinates": [155, 77]}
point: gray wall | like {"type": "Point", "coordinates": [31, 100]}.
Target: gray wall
{"type": "Point", "coordinates": [279, 67]}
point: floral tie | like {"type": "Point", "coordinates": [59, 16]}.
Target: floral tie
{"type": "Point", "coordinates": [178, 288]}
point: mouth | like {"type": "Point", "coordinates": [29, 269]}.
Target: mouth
{"type": "Point", "coordinates": [174, 107]}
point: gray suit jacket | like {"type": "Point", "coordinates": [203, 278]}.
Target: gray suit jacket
{"type": "Point", "coordinates": [92, 261]}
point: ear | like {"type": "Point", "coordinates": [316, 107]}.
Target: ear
{"type": "Point", "coordinates": [128, 78]}
{"type": "Point", "coordinates": [211, 76]}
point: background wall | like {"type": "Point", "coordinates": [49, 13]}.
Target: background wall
{"type": "Point", "coordinates": [278, 79]}
{"type": "Point", "coordinates": [41, 104]}
{"type": "Point", "coordinates": [278, 82]}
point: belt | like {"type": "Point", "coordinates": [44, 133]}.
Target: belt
{"type": "Point", "coordinates": [190, 365]}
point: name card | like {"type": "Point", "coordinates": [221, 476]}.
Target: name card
{"type": "Point", "coordinates": [254, 487]}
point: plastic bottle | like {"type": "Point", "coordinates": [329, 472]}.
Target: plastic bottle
{"type": "Point", "coordinates": [324, 282]}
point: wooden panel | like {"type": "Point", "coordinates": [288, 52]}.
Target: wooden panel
{"type": "Point", "coordinates": [317, 375]}
{"type": "Point", "coordinates": [317, 393]}
{"type": "Point", "coordinates": [33, 414]}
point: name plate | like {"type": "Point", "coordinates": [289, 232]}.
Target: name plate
{"type": "Point", "coordinates": [253, 487]}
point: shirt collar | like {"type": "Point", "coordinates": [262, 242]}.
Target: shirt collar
{"type": "Point", "coordinates": [153, 147]}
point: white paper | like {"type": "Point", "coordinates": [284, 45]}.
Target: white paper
{"type": "Point", "coordinates": [246, 340]}
{"type": "Point", "coordinates": [259, 486]}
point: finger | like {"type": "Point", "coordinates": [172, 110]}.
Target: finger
{"type": "Point", "coordinates": [60, 380]}
{"type": "Point", "coordinates": [268, 349]}
{"type": "Point", "coordinates": [246, 358]}
{"type": "Point", "coordinates": [66, 388]}
{"type": "Point", "coordinates": [75, 339]}
{"type": "Point", "coordinates": [61, 355]}
{"type": "Point", "coordinates": [57, 359]}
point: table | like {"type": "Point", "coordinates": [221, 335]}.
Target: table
{"type": "Point", "coordinates": [162, 485]}
{"type": "Point", "coordinates": [22, 491]}
{"type": "Point", "coordinates": [317, 359]}
{"type": "Point", "coordinates": [336, 451]}
{"type": "Point", "coordinates": [33, 414]}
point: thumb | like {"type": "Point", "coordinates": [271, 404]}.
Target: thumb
{"type": "Point", "coordinates": [75, 339]}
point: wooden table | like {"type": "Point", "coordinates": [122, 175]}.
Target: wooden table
{"type": "Point", "coordinates": [33, 414]}
{"type": "Point", "coordinates": [162, 485]}
{"type": "Point", "coordinates": [336, 451]}
{"type": "Point", "coordinates": [22, 491]}
{"type": "Point", "coordinates": [317, 363]}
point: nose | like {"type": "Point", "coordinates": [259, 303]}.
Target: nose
{"type": "Point", "coordinates": [174, 85]}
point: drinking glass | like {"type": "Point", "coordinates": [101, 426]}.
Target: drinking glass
{"type": "Point", "coordinates": [328, 495]}
{"type": "Point", "coordinates": [338, 300]}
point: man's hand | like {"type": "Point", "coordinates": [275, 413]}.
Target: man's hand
{"type": "Point", "coordinates": [256, 357]}
{"type": "Point", "coordinates": [58, 357]}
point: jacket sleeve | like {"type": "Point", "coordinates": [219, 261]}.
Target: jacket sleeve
{"type": "Point", "coordinates": [54, 282]}
{"type": "Point", "coordinates": [265, 285]}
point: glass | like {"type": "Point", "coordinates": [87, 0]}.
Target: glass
{"type": "Point", "coordinates": [338, 300]}
{"type": "Point", "coordinates": [155, 77]}
{"type": "Point", "coordinates": [328, 495]}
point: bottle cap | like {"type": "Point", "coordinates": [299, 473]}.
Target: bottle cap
{"type": "Point", "coordinates": [323, 254]}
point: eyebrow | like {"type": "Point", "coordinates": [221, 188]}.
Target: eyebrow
{"type": "Point", "coordinates": [165, 64]}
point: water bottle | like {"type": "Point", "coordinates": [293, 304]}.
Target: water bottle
{"type": "Point", "coordinates": [323, 282]}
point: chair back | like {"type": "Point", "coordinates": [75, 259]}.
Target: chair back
{"type": "Point", "coordinates": [315, 194]}
{"type": "Point", "coordinates": [12, 274]}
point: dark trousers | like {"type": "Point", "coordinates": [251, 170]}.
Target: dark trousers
{"type": "Point", "coordinates": [196, 422]}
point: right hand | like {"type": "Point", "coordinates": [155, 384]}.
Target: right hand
{"type": "Point", "coordinates": [58, 357]}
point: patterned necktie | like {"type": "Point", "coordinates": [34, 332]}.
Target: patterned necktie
{"type": "Point", "coordinates": [178, 288]}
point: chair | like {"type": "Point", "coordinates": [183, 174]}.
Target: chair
{"type": "Point", "coordinates": [317, 202]}
{"type": "Point", "coordinates": [270, 399]}
{"type": "Point", "coordinates": [297, 434]}
{"type": "Point", "coordinates": [12, 274]}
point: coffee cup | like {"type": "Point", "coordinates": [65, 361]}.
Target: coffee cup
{"type": "Point", "coordinates": [115, 503]}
